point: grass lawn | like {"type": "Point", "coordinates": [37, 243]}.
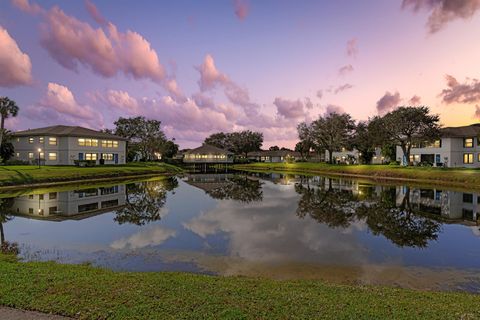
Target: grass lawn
{"type": "Point", "coordinates": [17, 175]}
{"type": "Point", "coordinates": [91, 293]}
{"type": "Point", "coordinates": [458, 177]}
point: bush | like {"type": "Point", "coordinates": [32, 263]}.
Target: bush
{"type": "Point", "coordinates": [394, 163]}
{"type": "Point", "coordinates": [9, 248]}
{"type": "Point", "coordinates": [424, 164]}
{"type": "Point", "coordinates": [14, 162]}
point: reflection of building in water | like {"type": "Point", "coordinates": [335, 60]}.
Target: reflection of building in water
{"type": "Point", "coordinates": [70, 204]}
{"type": "Point", "coordinates": [208, 181]}
{"type": "Point", "coordinates": [453, 205]}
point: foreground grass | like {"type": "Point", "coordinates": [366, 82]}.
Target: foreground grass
{"type": "Point", "coordinates": [89, 293]}
{"type": "Point", "coordinates": [460, 177]}
{"type": "Point", "coordinates": [20, 175]}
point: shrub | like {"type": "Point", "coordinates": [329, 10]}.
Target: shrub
{"type": "Point", "coordinates": [15, 162]}
{"type": "Point", "coordinates": [9, 248]}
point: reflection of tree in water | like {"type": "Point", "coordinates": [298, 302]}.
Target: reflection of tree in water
{"type": "Point", "coordinates": [400, 224]}
{"type": "Point", "coordinates": [5, 215]}
{"type": "Point", "coordinates": [144, 201]}
{"type": "Point", "coordinates": [331, 206]}
{"type": "Point", "coordinates": [239, 188]}
{"type": "Point", "coordinates": [339, 208]}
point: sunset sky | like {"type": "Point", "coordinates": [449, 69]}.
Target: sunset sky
{"type": "Point", "coordinates": [207, 66]}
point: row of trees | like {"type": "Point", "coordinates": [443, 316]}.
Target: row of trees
{"type": "Point", "coordinates": [404, 126]}
{"type": "Point", "coordinates": [241, 142]}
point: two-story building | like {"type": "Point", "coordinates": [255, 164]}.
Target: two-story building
{"type": "Point", "coordinates": [64, 145]}
{"type": "Point", "coordinates": [457, 147]}
{"type": "Point", "coordinates": [207, 154]}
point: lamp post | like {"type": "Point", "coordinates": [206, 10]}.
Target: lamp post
{"type": "Point", "coordinates": [39, 151]}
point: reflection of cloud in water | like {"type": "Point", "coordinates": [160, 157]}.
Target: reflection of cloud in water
{"type": "Point", "coordinates": [148, 237]}
{"type": "Point", "coordinates": [270, 231]}
{"type": "Point", "coordinates": [476, 231]}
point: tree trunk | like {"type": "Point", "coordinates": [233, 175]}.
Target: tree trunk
{"type": "Point", "coordinates": [406, 153]}
{"type": "Point", "coordinates": [2, 126]}
{"type": "Point", "coordinates": [2, 235]}
{"type": "Point", "coordinates": [330, 156]}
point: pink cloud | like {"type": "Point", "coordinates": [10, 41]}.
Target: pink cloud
{"type": "Point", "coordinates": [60, 106]}
{"type": "Point", "coordinates": [118, 99]}
{"type": "Point", "coordinates": [345, 70]}
{"type": "Point", "coordinates": [415, 100]}
{"type": "Point", "coordinates": [94, 13]}
{"type": "Point", "coordinates": [352, 47]}
{"type": "Point", "coordinates": [331, 108]}
{"type": "Point", "coordinates": [242, 8]}
{"type": "Point", "coordinates": [104, 50]}
{"type": "Point", "coordinates": [443, 11]}
{"type": "Point", "coordinates": [289, 109]}
{"type": "Point", "coordinates": [461, 92]}
{"type": "Point", "coordinates": [15, 66]}
{"type": "Point", "coordinates": [342, 88]}
{"type": "Point", "coordinates": [477, 112]}
{"type": "Point", "coordinates": [27, 7]}
{"type": "Point", "coordinates": [210, 77]}
{"type": "Point", "coordinates": [388, 102]}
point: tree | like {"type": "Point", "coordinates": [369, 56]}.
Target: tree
{"type": "Point", "coordinates": [406, 126]}
{"type": "Point", "coordinates": [6, 148]}
{"type": "Point", "coordinates": [143, 134]}
{"type": "Point", "coordinates": [169, 149]}
{"type": "Point", "coordinates": [365, 141]}
{"type": "Point", "coordinates": [332, 132]}
{"type": "Point", "coordinates": [7, 108]}
{"type": "Point", "coordinates": [303, 147]}
{"type": "Point", "coordinates": [238, 188]}
{"type": "Point", "coordinates": [219, 140]}
{"type": "Point", "coordinates": [274, 148]}
{"type": "Point", "coordinates": [244, 142]}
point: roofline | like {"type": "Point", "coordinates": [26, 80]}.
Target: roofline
{"type": "Point", "coordinates": [25, 133]}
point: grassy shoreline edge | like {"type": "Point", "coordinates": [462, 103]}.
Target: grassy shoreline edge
{"type": "Point", "coordinates": [86, 292]}
{"type": "Point", "coordinates": [455, 177]}
{"type": "Point", "coordinates": [15, 177]}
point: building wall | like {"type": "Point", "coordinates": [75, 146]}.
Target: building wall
{"type": "Point", "coordinates": [67, 150]}
{"type": "Point", "coordinates": [450, 154]}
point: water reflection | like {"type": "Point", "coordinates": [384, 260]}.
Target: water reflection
{"type": "Point", "coordinates": [254, 224]}
{"type": "Point", "coordinates": [145, 201]}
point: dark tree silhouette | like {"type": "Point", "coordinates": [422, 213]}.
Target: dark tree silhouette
{"type": "Point", "coordinates": [239, 188]}
{"type": "Point", "coordinates": [144, 201]}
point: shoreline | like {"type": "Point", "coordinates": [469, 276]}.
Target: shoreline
{"type": "Point", "coordinates": [380, 175]}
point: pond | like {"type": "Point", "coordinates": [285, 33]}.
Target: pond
{"type": "Point", "coordinates": [251, 224]}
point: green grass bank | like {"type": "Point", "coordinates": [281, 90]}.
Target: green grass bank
{"type": "Point", "coordinates": [85, 292]}
{"type": "Point", "coordinates": [455, 177]}
{"type": "Point", "coordinates": [28, 175]}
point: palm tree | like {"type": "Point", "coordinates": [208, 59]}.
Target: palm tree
{"type": "Point", "coordinates": [7, 108]}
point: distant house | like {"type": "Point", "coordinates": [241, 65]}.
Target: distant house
{"type": "Point", "coordinates": [208, 154]}
{"type": "Point", "coordinates": [64, 145]}
{"type": "Point", "coordinates": [353, 156]}
{"type": "Point", "coordinates": [457, 147]}
{"type": "Point", "coordinates": [274, 156]}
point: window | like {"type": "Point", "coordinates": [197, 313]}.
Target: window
{"type": "Point", "coordinates": [437, 143]}
{"type": "Point", "coordinates": [87, 207]}
{"type": "Point", "coordinates": [52, 141]}
{"type": "Point", "coordinates": [467, 198]}
{"type": "Point", "coordinates": [90, 156]}
{"type": "Point", "coordinates": [40, 197]}
{"type": "Point", "coordinates": [109, 144]}
{"type": "Point", "coordinates": [468, 158]}
{"type": "Point", "coordinates": [30, 155]}
{"type": "Point", "coordinates": [30, 140]}
{"type": "Point", "coordinates": [468, 142]}
{"type": "Point", "coordinates": [107, 156]}
{"type": "Point", "coordinates": [52, 210]}
{"type": "Point", "coordinates": [84, 142]}
{"type": "Point", "coordinates": [40, 212]}
{"type": "Point", "coordinates": [52, 195]}
{"type": "Point", "coordinates": [42, 155]}
{"type": "Point", "coordinates": [437, 158]}
{"type": "Point", "coordinates": [478, 157]}
{"type": "Point", "coordinates": [52, 156]}
{"type": "Point", "coordinates": [30, 210]}
{"type": "Point", "coordinates": [109, 203]}
{"type": "Point", "coordinates": [414, 158]}
{"type": "Point", "coordinates": [18, 154]}
{"type": "Point", "coordinates": [30, 196]}
{"type": "Point", "coordinates": [40, 139]}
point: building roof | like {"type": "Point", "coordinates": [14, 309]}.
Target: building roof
{"type": "Point", "coordinates": [274, 153]}
{"type": "Point", "coordinates": [208, 149]}
{"type": "Point", "coordinates": [472, 130]}
{"type": "Point", "coordinates": [66, 131]}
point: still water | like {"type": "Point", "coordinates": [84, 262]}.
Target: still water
{"type": "Point", "coordinates": [267, 225]}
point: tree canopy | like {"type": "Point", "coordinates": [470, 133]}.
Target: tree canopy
{"type": "Point", "coordinates": [240, 143]}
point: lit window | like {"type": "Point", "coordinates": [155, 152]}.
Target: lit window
{"type": "Point", "coordinates": [30, 155]}
{"type": "Point", "coordinates": [40, 139]}
{"type": "Point", "coordinates": [414, 158]}
{"type": "Point", "coordinates": [52, 195]}
{"type": "Point", "coordinates": [30, 140]}
{"type": "Point", "coordinates": [115, 144]}
{"type": "Point", "coordinates": [107, 156]}
{"type": "Point", "coordinates": [468, 142]}
{"type": "Point", "coordinates": [468, 158]}
{"type": "Point", "coordinates": [52, 156]}
{"type": "Point", "coordinates": [81, 142]}
{"type": "Point", "coordinates": [437, 144]}
{"type": "Point", "coordinates": [52, 141]}
{"type": "Point", "coordinates": [18, 154]}
{"type": "Point", "coordinates": [42, 155]}
{"type": "Point", "coordinates": [90, 156]}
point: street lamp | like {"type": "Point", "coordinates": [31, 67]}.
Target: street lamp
{"type": "Point", "coordinates": [39, 151]}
